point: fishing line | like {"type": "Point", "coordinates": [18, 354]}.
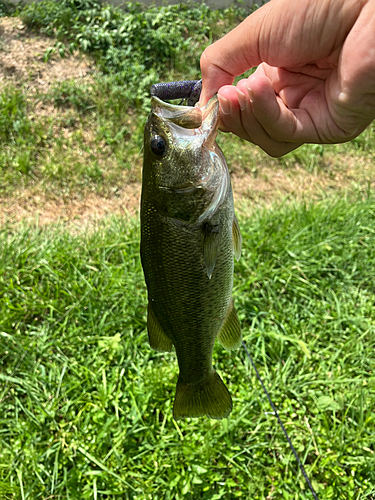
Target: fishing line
{"type": "Point", "coordinates": [191, 90]}
{"type": "Point", "coordinates": [281, 424]}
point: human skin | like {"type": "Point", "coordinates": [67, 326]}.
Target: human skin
{"type": "Point", "coordinates": [315, 81]}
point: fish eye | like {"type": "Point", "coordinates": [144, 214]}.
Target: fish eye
{"type": "Point", "coordinates": [158, 145]}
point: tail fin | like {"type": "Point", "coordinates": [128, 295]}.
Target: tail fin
{"type": "Point", "coordinates": [210, 397]}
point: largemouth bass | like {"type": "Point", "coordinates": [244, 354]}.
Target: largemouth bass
{"type": "Point", "coordinates": [189, 235]}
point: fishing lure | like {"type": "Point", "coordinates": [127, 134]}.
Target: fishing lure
{"type": "Point", "coordinates": [184, 89]}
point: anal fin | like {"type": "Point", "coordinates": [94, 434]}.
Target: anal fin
{"type": "Point", "coordinates": [156, 336]}
{"type": "Point", "coordinates": [229, 335]}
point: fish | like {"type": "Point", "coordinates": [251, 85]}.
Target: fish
{"type": "Point", "coordinates": [189, 238]}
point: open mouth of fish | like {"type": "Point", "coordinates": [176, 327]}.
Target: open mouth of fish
{"type": "Point", "coordinates": [206, 119]}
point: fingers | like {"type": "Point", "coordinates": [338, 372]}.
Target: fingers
{"type": "Point", "coordinates": [253, 111]}
{"type": "Point", "coordinates": [277, 120]}
{"type": "Point", "coordinates": [281, 34]}
{"type": "Point", "coordinates": [237, 116]}
{"type": "Point", "coordinates": [292, 98]}
{"type": "Point", "coordinates": [277, 33]}
{"type": "Point", "coordinates": [294, 125]}
{"type": "Point", "coordinates": [213, 77]}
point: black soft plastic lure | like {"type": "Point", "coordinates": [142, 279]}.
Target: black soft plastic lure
{"type": "Point", "coordinates": [189, 90]}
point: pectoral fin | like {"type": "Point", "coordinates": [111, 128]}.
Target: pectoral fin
{"type": "Point", "coordinates": [157, 338]}
{"type": "Point", "coordinates": [237, 239]}
{"type": "Point", "coordinates": [211, 245]}
{"type": "Point", "coordinates": [229, 335]}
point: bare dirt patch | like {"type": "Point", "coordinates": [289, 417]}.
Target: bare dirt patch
{"type": "Point", "coordinates": [32, 207]}
{"type": "Point", "coordinates": [270, 186]}
{"type": "Point", "coordinates": [273, 185]}
{"type": "Point", "coordinates": [21, 58]}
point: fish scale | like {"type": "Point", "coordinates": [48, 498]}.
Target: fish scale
{"type": "Point", "coordinates": [188, 237]}
{"type": "Point", "coordinates": [180, 289]}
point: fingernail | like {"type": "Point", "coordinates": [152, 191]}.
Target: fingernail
{"type": "Point", "coordinates": [225, 106]}
{"type": "Point", "coordinates": [242, 100]}
{"type": "Point", "coordinates": [251, 94]}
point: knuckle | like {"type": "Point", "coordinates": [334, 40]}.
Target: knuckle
{"type": "Point", "coordinates": [205, 59]}
{"type": "Point", "coordinates": [281, 149]}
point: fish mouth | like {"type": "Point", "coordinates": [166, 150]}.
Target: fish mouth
{"type": "Point", "coordinates": [185, 116]}
{"type": "Point", "coordinates": [205, 119]}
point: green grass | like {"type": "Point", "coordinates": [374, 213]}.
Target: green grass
{"type": "Point", "coordinates": [85, 142]}
{"type": "Point", "coordinates": [20, 139]}
{"type": "Point", "coordinates": [86, 405]}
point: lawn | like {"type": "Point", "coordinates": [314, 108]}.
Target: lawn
{"type": "Point", "coordinates": [85, 404]}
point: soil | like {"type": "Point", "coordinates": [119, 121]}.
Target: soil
{"type": "Point", "coordinates": [21, 58]}
{"type": "Point", "coordinates": [30, 207]}
{"type": "Point", "coordinates": [249, 192]}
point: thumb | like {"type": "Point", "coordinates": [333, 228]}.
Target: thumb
{"type": "Point", "coordinates": [232, 55]}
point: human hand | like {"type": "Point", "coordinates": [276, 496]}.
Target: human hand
{"type": "Point", "coordinates": [315, 81]}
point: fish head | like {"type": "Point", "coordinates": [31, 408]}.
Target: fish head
{"type": "Point", "coordinates": [184, 169]}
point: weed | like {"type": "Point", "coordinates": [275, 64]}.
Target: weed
{"type": "Point", "coordinates": [136, 43]}
{"type": "Point", "coordinates": [8, 8]}
{"type": "Point", "coordinates": [14, 124]}
{"type": "Point", "coordinates": [311, 156]}
{"type": "Point", "coordinates": [21, 139]}
{"type": "Point", "coordinates": [69, 93]}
